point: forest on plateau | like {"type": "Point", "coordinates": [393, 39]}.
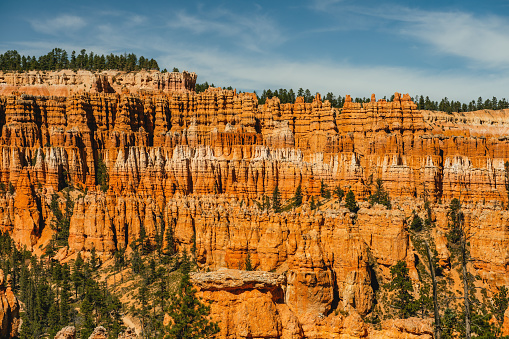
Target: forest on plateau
{"type": "Point", "coordinates": [58, 59]}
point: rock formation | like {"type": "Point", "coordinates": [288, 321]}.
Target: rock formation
{"type": "Point", "coordinates": [66, 82]}
{"type": "Point", "coordinates": [9, 310]}
{"type": "Point", "coordinates": [68, 332]}
{"type": "Point", "coordinates": [99, 333]}
{"type": "Point", "coordinates": [143, 150]}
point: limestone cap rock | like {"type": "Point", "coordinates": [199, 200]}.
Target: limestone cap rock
{"type": "Point", "coordinates": [68, 332]}
{"type": "Point", "coordinates": [232, 279]}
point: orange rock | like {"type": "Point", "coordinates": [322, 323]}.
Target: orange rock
{"type": "Point", "coordinates": [200, 163]}
{"type": "Point", "coordinates": [9, 310]}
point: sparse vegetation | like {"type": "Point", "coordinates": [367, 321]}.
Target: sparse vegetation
{"type": "Point", "coordinates": [102, 177]}
{"type": "Point", "coordinates": [403, 301]}
{"type": "Point", "coordinates": [380, 196]}
{"type": "Point", "coordinates": [276, 200]}
{"type": "Point", "coordinates": [350, 202]}
{"type": "Point", "coordinates": [339, 193]}
{"type": "Point", "coordinates": [297, 198]}
{"type": "Point", "coordinates": [324, 190]}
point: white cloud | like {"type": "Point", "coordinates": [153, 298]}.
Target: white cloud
{"type": "Point", "coordinates": [210, 54]}
{"type": "Point", "coordinates": [251, 32]}
{"type": "Point", "coordinates": [61, 24]}
{"type": "Point", "coordinates": [337, 77]}
{"type": "Point", "coordinates": [481, 40]}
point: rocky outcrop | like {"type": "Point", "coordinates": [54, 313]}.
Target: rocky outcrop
{"type": "Point", "coordinates": [65, 82]}
{"type": "Point", "coordinates": [145, 151]}
{"type": "Point", "coordinates": [406, 328]}
{"type": "Point", "coordinates": [9, 309]}
{"type": "Point", "coordinates": [251, 304]}
{"type": "Point", "coordinates": [68, 332]}
{"type": "Point", "coordinates": [128, 334]}
{"type": "Point", "coordinates": [99, 333]}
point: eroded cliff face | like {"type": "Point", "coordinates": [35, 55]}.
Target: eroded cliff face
{"type": "Point", "coordinates": [66, 82]}
{"type": "Point", "coordinates": [9, 309]}
{"type": "Point", "coordinates": [199, 163]}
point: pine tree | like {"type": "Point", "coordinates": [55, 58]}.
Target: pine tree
{"type": "Point", "coordinates": [350, 202]}
{"type": "Point", "coordinates": [297, 198]}
{"type": "Point", "coordinates": [249, 266]}
{"type": "Point", "coordinates": [312, 204]}
{"type": "Point", "coordinates": [94, 260]}
{"type": "Point", "coordinates": [188, 315]}
{"type": "Point", "coordinates": [401, 284]}
{"type": "Point", "coordinates": [64, 303]}
{"type": "Point", "coordinates": [53, 319]}
{"type": "Point", "coordinates": [339, 193]}
{"type": "Point", "coordinates": [170, 240]}
{"type": "Point", "coordinates": [276, 200]}
{"type": "Point", "coordinates": [143, 241]}
{"type": "Point", "coordinates": [380, 196]}
{"type": "Point", "coordinates": [417, 223]}
{"type": "Point", "coordinates": [136, 262]}
{"type": "Point", "coordinates": [102, 177]}
{"type": "Point", "coordinates": [77, 274]}
{"type": "Point", "coordinates": [86, 310]}
{"type": "Point", "coordinates": [324, 190]}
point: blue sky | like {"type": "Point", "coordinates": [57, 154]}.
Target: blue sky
{"type": "Point", "coordinates": [458, 49]}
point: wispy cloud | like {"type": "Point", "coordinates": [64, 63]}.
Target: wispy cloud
{"type": "Point", "coordinates": [255, 50]}
{"type": "Point", "coordinates": [58, 25]}
{"type": "Point", "coordinates": [323, 5]}
{"type": "Point", "coordinates": [482, 40]}
{"type": "Point", "coordinates": [250, 32]}
{"type": "Point", "coordinates": [339, 77]}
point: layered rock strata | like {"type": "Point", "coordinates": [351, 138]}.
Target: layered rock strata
{"type": "Point", "coordinates": [201, 163]}
{"type": "Point", "coordinates": [66, 82]}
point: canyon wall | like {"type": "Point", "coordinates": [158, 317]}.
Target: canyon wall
{"type": "Point", "coordinates": [201, 163]}
{"type": "Point", "coordinates": [67, 82]}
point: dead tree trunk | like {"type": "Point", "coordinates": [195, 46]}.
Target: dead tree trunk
{"type": "Point", "coordinates": [438, 326]}
{"type": "Point", "coordinates": [465, 284]}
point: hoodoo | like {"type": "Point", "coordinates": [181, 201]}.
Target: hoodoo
{"type": "Point", "coordinates": [139, 153]}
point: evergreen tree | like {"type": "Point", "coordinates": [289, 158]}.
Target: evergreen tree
{"type": "Point", "coordinates": [64, 303]}
{"type": "Point", "coordinates": [312, 203]}
{"type": "Point", "coordinates": [350, 202]}
{"type": "Point", "coordinates": [297, 198]}
{"type": "Point", "coordinates": [380, 196]}
{"type": "Point", "coordinates": [102, 177]}
{"type": "Point", "coordinates": [119, 258]}
{"type": "Point", "coordinates": [87, 309]}
{"type": "Point", "coordinates": [339, 193]}
{"type": "Point", "coordinates": [143, 241]}
{"type": "Point", "coordinates": [136, 262]}
{"type": "Point", "coordinates": [188, 315]}
{"type": "Point", "coordinates": [417, 223]}
{"type": "Point", "coordinates": [324, 190]}
{"type": "Point", "coordinates": [249, 266]}
{"type": "Point", "coordinates": [170, 240]}
{"type": "Point", "coordinates": [401, 284]}
{"type": "Point", "coordinates": [276, 200]}
{"type": "Point", "coordinates": [77, 276]}
{"type": "Point", "coordinates": [143, 301]}
{"type": "Point", "coordinates": [456, 218]}
{"type": "Point", "coordinates": [94, 260]}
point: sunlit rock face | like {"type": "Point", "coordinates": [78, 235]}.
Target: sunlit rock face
{"type": "Point", "coordinates": [201, 163]}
